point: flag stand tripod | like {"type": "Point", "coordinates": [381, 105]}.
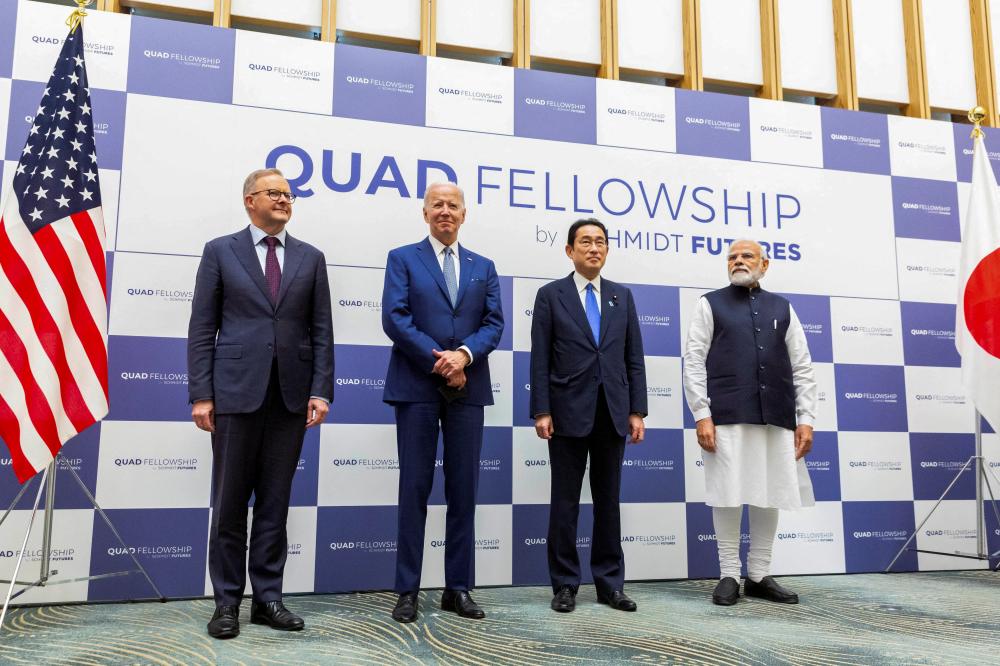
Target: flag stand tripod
{"type": "Point", "coordinates": [982, 474]}
{"type": "Point", "coordinates": [48, 484]}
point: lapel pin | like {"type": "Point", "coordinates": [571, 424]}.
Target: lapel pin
{"type": "Point", "coordinates": [614, 301]}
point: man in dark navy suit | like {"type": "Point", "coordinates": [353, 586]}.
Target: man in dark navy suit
{"type": "Point", "coordinates": [588, 391]}
{"type": "Point", "coordinates": [441, 309]}
{"type": "Point", "coordinates": [260, 371]}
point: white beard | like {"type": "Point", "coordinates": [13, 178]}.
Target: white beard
{"type": "Point", "coordinates": [744, 279]}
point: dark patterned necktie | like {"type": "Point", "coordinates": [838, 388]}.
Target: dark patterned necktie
{"type": "Point", "coordinates": [272, 269]}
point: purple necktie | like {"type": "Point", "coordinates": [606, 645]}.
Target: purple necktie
{"type": "Point", "coordinates": [272, 270]}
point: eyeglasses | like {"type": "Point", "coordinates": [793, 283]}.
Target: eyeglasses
{"type": "Point", "coordinates": [276, 195]}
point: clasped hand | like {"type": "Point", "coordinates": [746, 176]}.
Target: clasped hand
{"type": "Point", "coordinates": [451, 366]}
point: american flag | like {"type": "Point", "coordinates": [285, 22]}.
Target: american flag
{"type": "Point", "coordinates": [53, 304]}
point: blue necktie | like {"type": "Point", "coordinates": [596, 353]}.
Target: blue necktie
{"type": "Point", "coordinates": [593, 313]}
{"type": "Point", "coordinates": [450, 280]}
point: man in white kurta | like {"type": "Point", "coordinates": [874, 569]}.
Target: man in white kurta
{"type": "Point", "coordinates": [749, 383]}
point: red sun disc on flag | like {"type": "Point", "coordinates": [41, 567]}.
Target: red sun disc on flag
{"type": "Point", "coordinates": [982, 303]}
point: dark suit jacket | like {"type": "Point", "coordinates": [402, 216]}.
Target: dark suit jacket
{"type": "Point", "coordinates": [235, 328]}
{"type": "Point", "coordinates": [567, 366]}
{"type": "Point", "coordinates": [417, 315]}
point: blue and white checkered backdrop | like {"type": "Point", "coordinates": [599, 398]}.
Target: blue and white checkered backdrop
{"type": "Point", "coordinates": [861, 213]}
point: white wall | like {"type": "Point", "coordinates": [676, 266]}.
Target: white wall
{"type": "Point", "coordinates": [566, 30]}
{"type": "Point", "coordinates": [730, 41]}
{"type": "Point", "coordinates": [808, 59]}
{"type": "Point", "coordinates": [880, 50]}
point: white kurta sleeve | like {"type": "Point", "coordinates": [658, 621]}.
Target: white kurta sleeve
{"type": "Point", "coordinates": [699, 339]}
{"type": "Point", "coordinates": [803, 377]}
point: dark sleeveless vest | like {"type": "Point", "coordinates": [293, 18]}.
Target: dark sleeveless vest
{"type": "Point", "coordinates": [749, 372]}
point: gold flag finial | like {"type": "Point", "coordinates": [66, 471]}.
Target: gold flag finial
{"type": "Point", "coordinates": [977, 115]}
{"type": "Point", "coordinates": [76, 18]}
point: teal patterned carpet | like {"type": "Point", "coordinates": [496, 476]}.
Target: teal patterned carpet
{"type": "Point", "coordinates": [920, 618]}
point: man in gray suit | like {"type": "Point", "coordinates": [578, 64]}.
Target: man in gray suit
{"type": "Point", "coordinates": [260, 371]}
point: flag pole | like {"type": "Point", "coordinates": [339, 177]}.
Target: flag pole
{"type": "Point", "coordinates": [76, 18]}
{"type": "Point", "coordinates": [24, 545]}
{"type": "Point", "coordinates": [977, 115]}
{"type": "Point", "coordinates": [980, 477]}
{"type": "Point", "coordinates": [45, 556]}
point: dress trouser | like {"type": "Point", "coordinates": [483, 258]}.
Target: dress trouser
{"type": "Point", "coordinates": [417, 427]}
{"type": "Point", "coordinates": [568, 461]}
{"type": "Point", "coordinates": [254, 453]}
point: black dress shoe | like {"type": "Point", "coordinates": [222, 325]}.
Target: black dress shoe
{"type": "Point", "coordinates": [275, 615]}
{"type": "Point", "coordinates": [461, 602]}
{"type": "Point", "coordinates": [406, 608]}
{"type": "Point", "coordinates": [726, 592]}
{"type": "Point", "coordinates": [225, 622]}
{"type": "Point", "coordinates": [769, 589]}
{"type": "Point", "coordinates": [618, 600]}
{"type": "Point", "coordinates": [565, 600]}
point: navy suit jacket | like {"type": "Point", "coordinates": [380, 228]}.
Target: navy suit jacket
{"type": "Point", "coordinates": [235, 329]}
{"type": "Point", "coordinates": [418, 316]}
{"type": "Point", "coordinates": [567, 366]}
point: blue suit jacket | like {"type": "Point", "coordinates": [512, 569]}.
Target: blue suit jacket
{"type": "Point", "coordinates": [417, 315]}
{"type": "Point", "coordinates": [235, 329]}
{"type": "Point", "coordinates": [567, 366]}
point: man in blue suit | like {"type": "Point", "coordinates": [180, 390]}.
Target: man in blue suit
{"type": "Point", "coordinates": [260, 371]}
{"type": "Point", "coordinates": [441, 309]}
{"type": "Point", "coordinates": [588, 391]}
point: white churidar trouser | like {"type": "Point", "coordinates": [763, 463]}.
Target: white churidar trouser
{"type": "Point", "coordinates": [763, 527]}
{"type": "Point", "coordinates": [753, 465]}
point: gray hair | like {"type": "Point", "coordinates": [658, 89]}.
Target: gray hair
{"type": "Point", "coordinates": [256, 175]}
{"type": "Point", "coordinates": [763, 250]}
{"type": "Point", "coordinates": [427, 192]}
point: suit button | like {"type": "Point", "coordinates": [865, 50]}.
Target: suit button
{"type": "Point", "coordinates": [277, 318]}
{"type": "Point", "coordinates": [753, 298]}
{"type": "Point", "coordinates": [754, 314]}
{"type": "Point", "coordinates": [762, 387]}
{"type": "Point", "coordinates": [762, 366]}
{"type": "Point", "coordinates": [760, 348]}
{"type": "Point", "coordinates": [757, 329]}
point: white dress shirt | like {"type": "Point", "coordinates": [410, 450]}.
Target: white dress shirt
{"type": "Point", "coordinates": [258, 235]}
{"type": "Point", "coordinates": [581, 288]}
{"type": "Point", "coordinates": [439, 249]}
{"type": "Point", "coordinates": [699, 339]}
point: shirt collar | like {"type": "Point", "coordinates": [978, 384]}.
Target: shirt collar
{"type": "Point", "coordinates": [582, 282]}
{"type": "Point", "coordinates": [439, 246]}
{"type": "Point", "coordinates": [258, 234]}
